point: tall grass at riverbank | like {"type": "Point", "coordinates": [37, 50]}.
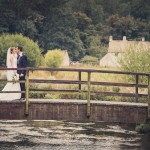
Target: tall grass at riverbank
{"type": "Point", "coordinates": [66, 75]}
{"type": "Point", "coordinates": [101, 77]}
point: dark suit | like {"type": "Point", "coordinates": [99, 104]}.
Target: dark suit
{"type": "Point", "coordinates": [22, 63]}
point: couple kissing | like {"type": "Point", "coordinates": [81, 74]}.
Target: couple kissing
{"type": "Point", "coordinates": [15, 59]}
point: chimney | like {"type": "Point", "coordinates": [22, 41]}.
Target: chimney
{"type": "Point", "coordinates": [110, 38]}
{"type": "Point", "coordinates": [143, 39]}
{"type": "Point", "coordinates": [124, 38]}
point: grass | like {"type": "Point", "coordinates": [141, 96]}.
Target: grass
{"type": "Point", "coordinates": [101, 77]}
{"type": "Point", "coordinates": [2, 76]}
{"type": "Point", "coordinates": [66, 75]}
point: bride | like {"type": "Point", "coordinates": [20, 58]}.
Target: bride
{"type": "Point", "coordinates": [11, 62]}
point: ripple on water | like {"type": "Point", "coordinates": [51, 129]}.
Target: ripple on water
{"type": "Point", "coordinates": [26, 135]}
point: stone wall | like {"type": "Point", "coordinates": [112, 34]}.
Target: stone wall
{"type": "Point", "coordinates": [74, 110]}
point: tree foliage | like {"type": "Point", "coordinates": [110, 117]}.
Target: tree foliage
{"type": "Point", "coordinates": [73, 24]}
{"type": "Point", "coordinates": [30, 48]}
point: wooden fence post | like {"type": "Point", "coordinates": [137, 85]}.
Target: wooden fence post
{"type": "Point", "coordinates": [136, 88]}
{"type": "Point", "coordinates": [89, 95]}
{"type": "Point", "coordinates": [27, 93]}
{"type": "Point", "coordinates": [79, 78]}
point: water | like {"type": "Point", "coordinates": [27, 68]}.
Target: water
{"type": "Point", "coordinates": [61, 135]}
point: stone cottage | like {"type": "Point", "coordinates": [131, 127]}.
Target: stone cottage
{"type": "Point", "coordinates": [116, 48]}
{"type": "Point", "coordinates": [66, 59]}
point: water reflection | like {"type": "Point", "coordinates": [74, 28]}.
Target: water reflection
{"type": "Point", "coordinates": [61, 135]}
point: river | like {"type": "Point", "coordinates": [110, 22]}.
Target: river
{"type": "Point", "coordinates": [62, 135]}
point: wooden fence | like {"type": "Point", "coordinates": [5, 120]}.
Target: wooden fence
{"type": "Point", "coordinates": [80, 82]}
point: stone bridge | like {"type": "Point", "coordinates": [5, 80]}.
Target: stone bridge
{"type": "Point", "coordinates": [80, 110]}
{"type": "Point", "coordinates": [75, 110]}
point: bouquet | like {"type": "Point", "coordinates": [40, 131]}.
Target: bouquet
{"type": "Point", "coordinates": [15, 77]}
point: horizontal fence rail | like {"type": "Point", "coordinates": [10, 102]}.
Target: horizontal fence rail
{"type": "Point", "coordinates": [89, 92]}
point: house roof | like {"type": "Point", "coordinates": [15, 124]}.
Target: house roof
{"type": "Point", "coordinates": [120, 46]}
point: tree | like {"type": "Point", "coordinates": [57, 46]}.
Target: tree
{"type": "Point", "coordinates": [30, 48]}
{"type": "Point", "coordinates": [143, 7]}
{"type": "Point", "coordinates": [71, 24]}
{"type": "Point", "coordinates": [96, 48]}
{"type": "Point", "coordinates": [124, 9]}
{"type": "Point", "coordinates": [127, 26]}
{"type": "Point", "coordinates": [53, 58]}
{"type": "Point", "coordinates": [60, 32]}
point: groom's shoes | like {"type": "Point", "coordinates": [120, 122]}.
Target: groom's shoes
{"type": "Point", "coordinates": [22, 99]}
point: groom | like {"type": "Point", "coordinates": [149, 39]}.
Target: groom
{"type": "Point", "coordinates": [21, 63]}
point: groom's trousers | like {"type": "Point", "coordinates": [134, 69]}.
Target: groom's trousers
{"type": "Point", "coordinates": [22, 86]}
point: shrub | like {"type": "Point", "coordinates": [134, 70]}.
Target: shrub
{"type": "Point", "coordinates": [30, 48]}
{"type": "Point", "coordinates": [115, 89]}
{"type": "Point", "coordinates": [136, 59]}
{"type": "Point", "coordinates": [89, 60]}
{"type": "Point", "coordinates": [53, 58]}
{"type": "Point", "coordinates": [143, 128]}
{"type": "Point", "coordinates": [36, 94]}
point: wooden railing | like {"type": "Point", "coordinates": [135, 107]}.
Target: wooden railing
{"type": "Point", "coordinates": [81, 82]}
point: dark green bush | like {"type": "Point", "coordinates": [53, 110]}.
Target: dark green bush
{"type": "Point", "coordinates": [143, 128]}
{"type": "Point", "coordinates": [34, 94]}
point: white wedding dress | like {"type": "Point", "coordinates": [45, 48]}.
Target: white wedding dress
{"type": "Point", "coordinates": [10, 86]}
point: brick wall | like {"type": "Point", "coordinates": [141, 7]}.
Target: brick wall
{"type": "Point", "coordinates": [74, 110]}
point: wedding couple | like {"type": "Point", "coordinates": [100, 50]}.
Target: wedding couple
{"type": "Point", "coordinates": [15, 59]}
